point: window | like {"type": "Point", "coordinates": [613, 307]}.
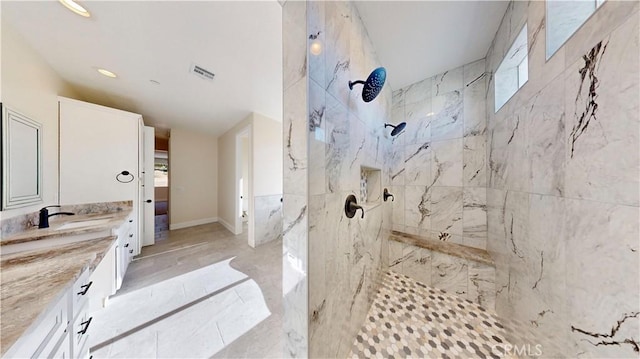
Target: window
{"type": "Point", "coordinates": [564, 17]}
{"type": "Point", "coordinates": [513, 72]}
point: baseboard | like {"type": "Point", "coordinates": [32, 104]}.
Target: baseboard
{"type": "Point", "coordinates": [228, 226]}
{"type": "Point", "coordinates": [193, 223]}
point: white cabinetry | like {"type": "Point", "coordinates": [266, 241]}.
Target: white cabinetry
{"type": "Point", "coordinates": [61, 331]}
{"type": "Point", "coordinates": [124, 252]}
{"type": "Point", "coordinates": [97, 145]}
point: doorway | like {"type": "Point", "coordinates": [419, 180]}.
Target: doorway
{"type": "Point", "coordinates": [244, 210]}
{"type": "Point", "coordinates": [161, 188]}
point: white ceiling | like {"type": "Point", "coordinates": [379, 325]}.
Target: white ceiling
{"type": "Point", "coordinates": [418, 39]}
{"type": "Point", "coordinates": [241, 42]}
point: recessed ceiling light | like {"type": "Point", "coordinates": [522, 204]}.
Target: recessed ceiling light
{"type": "Point", "coordinates": [75, 7]}
{"type": "Point", "coordinates": [107, 73]}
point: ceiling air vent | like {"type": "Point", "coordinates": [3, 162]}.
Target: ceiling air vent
{"type": "Point", "coordinates": [202, 73]}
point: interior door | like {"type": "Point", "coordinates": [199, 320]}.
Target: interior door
{"type": "Point", "coordinates": [148, 237]}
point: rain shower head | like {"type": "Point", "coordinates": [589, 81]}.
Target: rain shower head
{"type": "Point", "coordinates": [373, 84]}
{"type": "Point", "coordinates": [396, 129]}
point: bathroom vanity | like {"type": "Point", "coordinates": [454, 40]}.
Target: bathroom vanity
{"type": "Point", "coordinates": [53, 279]}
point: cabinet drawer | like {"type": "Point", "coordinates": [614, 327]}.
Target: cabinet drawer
{"type": "Point", "coordinates": [80, 330]}
{"type": "Point", "coordinates": [81, 292]}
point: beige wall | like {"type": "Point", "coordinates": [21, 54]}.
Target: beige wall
{"type": "Point", "coordinates": [30, 86]}
{"type": "Point", "coordinates": [267, 160]}
{"type": "Point", "coordinates": [193, 178]}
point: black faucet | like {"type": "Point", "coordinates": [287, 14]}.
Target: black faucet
{"type": "Point", "coordinates": [44, 216]}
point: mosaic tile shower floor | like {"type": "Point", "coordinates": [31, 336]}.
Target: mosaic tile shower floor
{"type": "Point", "coordinates": [410, 319]}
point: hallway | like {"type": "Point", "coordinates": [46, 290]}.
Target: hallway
{"type": "Point", "coordinates": [205, 293]}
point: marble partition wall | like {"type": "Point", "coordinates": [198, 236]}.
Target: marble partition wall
{"type": "Point", "coordinates": [563, 185]}
{"type": "Point", "coordinates": [295, 181]}
{"type": "Point", "coordinates": [344, 133]}
{"type": "Point", "coordinates": [439, 162]}
{"type": "Point", "coordinates": [268, 213]}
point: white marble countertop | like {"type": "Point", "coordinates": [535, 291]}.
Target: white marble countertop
{"type": "Point", "coordinates": [31, 281]}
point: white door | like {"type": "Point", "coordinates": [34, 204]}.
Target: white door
{"type": "Point", "coordinates": [148, 231]}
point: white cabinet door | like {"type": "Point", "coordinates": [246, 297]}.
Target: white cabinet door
{"type": "Point", "coordinates": [96, 145]}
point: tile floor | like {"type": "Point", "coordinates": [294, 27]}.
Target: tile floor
{"type": "Point", "coordinates": [202, 292]}
{"type": "Point", "coordinates": [410, 319]}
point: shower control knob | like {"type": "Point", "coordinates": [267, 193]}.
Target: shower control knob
{"type": "Point", "coordinates": [386, 195]}
{"type": "Point", "coordinates": [351, 207]}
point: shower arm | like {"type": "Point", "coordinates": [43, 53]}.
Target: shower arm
{"type": "Point", "coordinates": [351, 83]}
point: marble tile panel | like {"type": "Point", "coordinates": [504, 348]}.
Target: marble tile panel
{"type": "Point", "coordinates": [602, 240]}
{"type": "Point", "coordinates": [338, 145]}
{"type": "Point", "coordinates": [316, 41]}
{"type": "Point", "coordinates": [449, 273]}
{"type": "Point", "coordinates": [474, 216]}
{"type": "Point", "coordinates": [417, 264]}
{"type": "Point", "coordinates": [294, 272]}
{"type": "Point", "coordinates": [417, 164]}
{"type": "Point", "coordinates": [482, 286]}
{"type": "Point", "coordinates": [448, 116]}
{"type": "Point", "coordinates": [545, 139]}
{"type": "Point", "coordinates": [296, 129]}
{"type": "Point", "coordinates": [396, 255]}
{"type": "Point", "coordinates": [417, 92]}
{"type": "Point", "coordinates": [447, 163]}
{"type": "Point", "coordinates": [337, 50]}
{"type": "Point", "coordinates": [417, 202]}
{"type": "Point", "coordinates": [602, 129]}
{"type": "Point", "coordinates": [446, 210]}
{"type": "Point", "coordinates": [447, 81]}
{"type": "Point", "coordinates": [418, 118]}
{"type": "Point", "coordinates": [294, 62]}
{"type": "Point", "coordinates": [268, 218]}
{"type": "Point", "coordinates": [397, 205]}
{"type": "Point", "coordinates": [516, 226]}
{"type": "Point", "coordinates": [397, 165]}
{"type": "Point", "coordinates": [517, 167]}
{"type": "Point", "coordinates": [496, 234]}
{"type": "Point", "coordinates": [474, 167]}
{"type": "Point", "coordinates": [474, 93]}
{"type": "Point", "coordinates": [317, 138]}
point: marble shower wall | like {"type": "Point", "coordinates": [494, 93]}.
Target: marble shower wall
{"type": "Point", "coordinates": [331, 264]}
{"type": "Point", "coordinates": [438, 172]}
{"type": "Point", "coordinates": [344, 133]}
{"type": "Point", "coordinates": [268, 223]}
{"type": "Point", "coordinates": [563, 185]}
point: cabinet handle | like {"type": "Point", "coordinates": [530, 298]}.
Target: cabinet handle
{"type": "Point", "coordinates": [130, 250]}
{"type": "Point", "coordinates": [126, 245]}
{"type": "Point", "coordinates": [86, 288]}
{"type": "Point", "coordinates": [86, 326]}
{"type": "Point", "coordinates": [131, 235]}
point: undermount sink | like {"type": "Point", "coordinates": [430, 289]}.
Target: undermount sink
{"type": "Point", "coordinates": [78, 224]}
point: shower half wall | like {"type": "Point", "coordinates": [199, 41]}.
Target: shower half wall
{"type": "Point", "coordinates": [332, 264]}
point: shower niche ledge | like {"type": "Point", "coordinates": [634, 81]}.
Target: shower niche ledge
{"type": "Point", "coordinates": [370, 187]}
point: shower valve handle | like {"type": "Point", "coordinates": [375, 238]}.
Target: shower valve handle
{"type": "Point", "coordinates": [386, 195]}
{"type": "Point", "coordinates": [351, 206]}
